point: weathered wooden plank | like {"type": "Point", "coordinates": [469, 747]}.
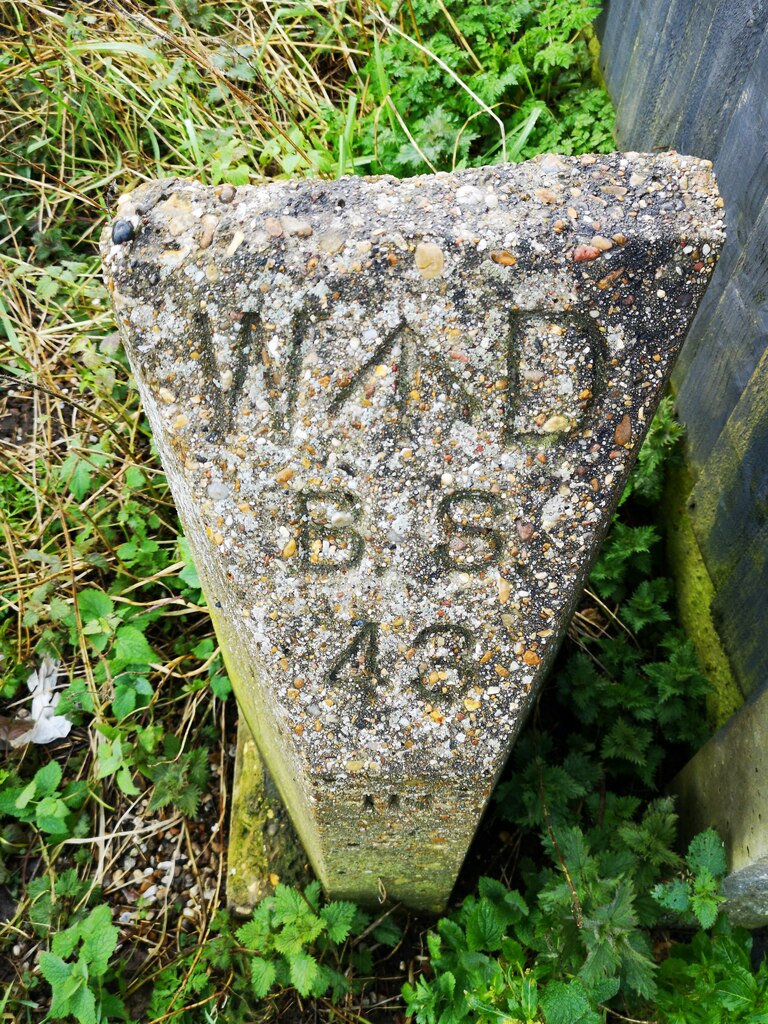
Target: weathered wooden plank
{"type": "Point", "coordinates": [740, 613]}
{"type": "Point", "coordinates": [671, 92]}
{"type": "Point", "coordinates": [730, 500]}
{"type": "Point", "coordinates": [720, 371]}
{"type": "Point", "coordinates": [731, 48]}
{"type": "Point", "coordinates": [742, 173]}
{"type": "Point", "coordinates": [618, 41]}
{"type": "Point", "coordinates": [660, 38]}
{"type": "Point", "coordinates": [724, 346]}
{"type": "Point", "coordinates": [724, 787]}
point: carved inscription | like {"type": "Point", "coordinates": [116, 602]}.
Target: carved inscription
{"type": "Point", "coordinates": [445, 659]}
{"type": "Point", "coordinates": [328, 541]}
{"type": "Point", "coordinates": [472, 543]}
{"type": "Point", "coordinates": [444, 656]}
{"type": "Point", "coordinates": [553, 363]}
{"type": "Point", "coordinates": [360, 659]}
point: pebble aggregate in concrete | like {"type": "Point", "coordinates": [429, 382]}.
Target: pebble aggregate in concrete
{"type": "Point", "coordinates": [396, 417]}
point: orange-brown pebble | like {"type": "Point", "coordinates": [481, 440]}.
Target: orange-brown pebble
{"type": "Point", "coordinates": [582, 253]}
{"type": "Point", "coordinates": [501, 671]}
{"type": "Point", "coordinates": [531, 658]}
{"type": "Point", "coordinates": [285, 475]}
{"type": "Point", "coordinates": [623, 433]}
{"type": "Point", "coordinates": [503, 257]}
{"type": "Point", "coordinates": [601, 243]}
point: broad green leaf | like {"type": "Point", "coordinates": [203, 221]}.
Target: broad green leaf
{"type": "Point", "coordinates": [76, 473]}
{"type": "Point", "coordinates": [131, 647]}
{"type": "Point", "coordinates": [484, 928]}
{"type": "Point", "coordinates": [303, 968]}
{"type": "Point", "coordinates": [47, 778]}
{"type": "Point", "coordinates": [54, 970]}
{"type": "Point", "coordinates": [738, 992]}
{"type": "Point", "coordinates": [125, 781]}
{"type": "Point", "coordinates": [110, 758]}
{"type": "Point", "coordinates": [99, 939]}
{"type": "Point", "coordinates": [262, 976]}
{"type": "Point", "coordinates": [94, 605]}
{"type": "Point", "coordinates": [675, 895]}
{"type": "Point", "coordinates": [707, 852]}
{"type": "Point", "coordinates": [83, 1006]}
{"type": "Point", "coordinates": [338, 917]}
{"type": "Point", "coordinates": [51, 816]}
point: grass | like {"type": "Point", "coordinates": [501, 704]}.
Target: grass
{"type": "Point", "coordinates": [96, 97]}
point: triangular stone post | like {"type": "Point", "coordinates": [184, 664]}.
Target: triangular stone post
{"type": "Point", "coordinates": [396, 417]}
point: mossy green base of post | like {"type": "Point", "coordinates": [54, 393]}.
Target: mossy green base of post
{"type": "Point", "coordinates": [263, 846]}
{"type": "Point", "coordinates": [695, 592]}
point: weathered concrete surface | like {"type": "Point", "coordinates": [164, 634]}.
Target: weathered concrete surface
{"type": "Point", "coordinates": [724, 787]}
{"type": "Point", "coordinates": [263, 848]}
{"type": "Point", "coordinates": [396, 417]}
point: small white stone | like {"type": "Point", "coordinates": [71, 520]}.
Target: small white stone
{"type": "Point", "coordinates": [217, 491]}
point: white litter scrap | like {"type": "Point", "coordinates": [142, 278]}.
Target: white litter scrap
{"type": "Point", "coordinates": [47, 726]}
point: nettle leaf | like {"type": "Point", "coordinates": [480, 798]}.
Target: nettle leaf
{"type": "Point", "coordinates": [705, 901]}
{"type": "Point", "coordinates": [94, 605]}
{"type": "Point", "coordinates": [131, 647]}
{"type": "Point", "coordinates": [485, 930]}
{"type": "Point", "coordinates": [645, 606]}
{"type": "Point", "coordinates": [707, 852]}
{"type": "Point", "coordinates": [388, 933]}
{"type": "Point", "coordinates": [47, 778]}
{"type": "Point", "coordinates": [262, 975]}
{"type": "Point", "coordinates": [255, 933]}
{"type": "Point", "coordinates": [46, 288]}
{"type": "Point", "coordinates": [303, 971]}
{"type": "Point", "coordinates": [289, 904]}
{"type": "Point", "coordinates": [338, 917]}
{"type": "Point", "coordinates": [674, 895]}
{"type": "Point", "coordinates": [567, 1003]}
{"type": "Point", "coordinates": [99, 939]}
